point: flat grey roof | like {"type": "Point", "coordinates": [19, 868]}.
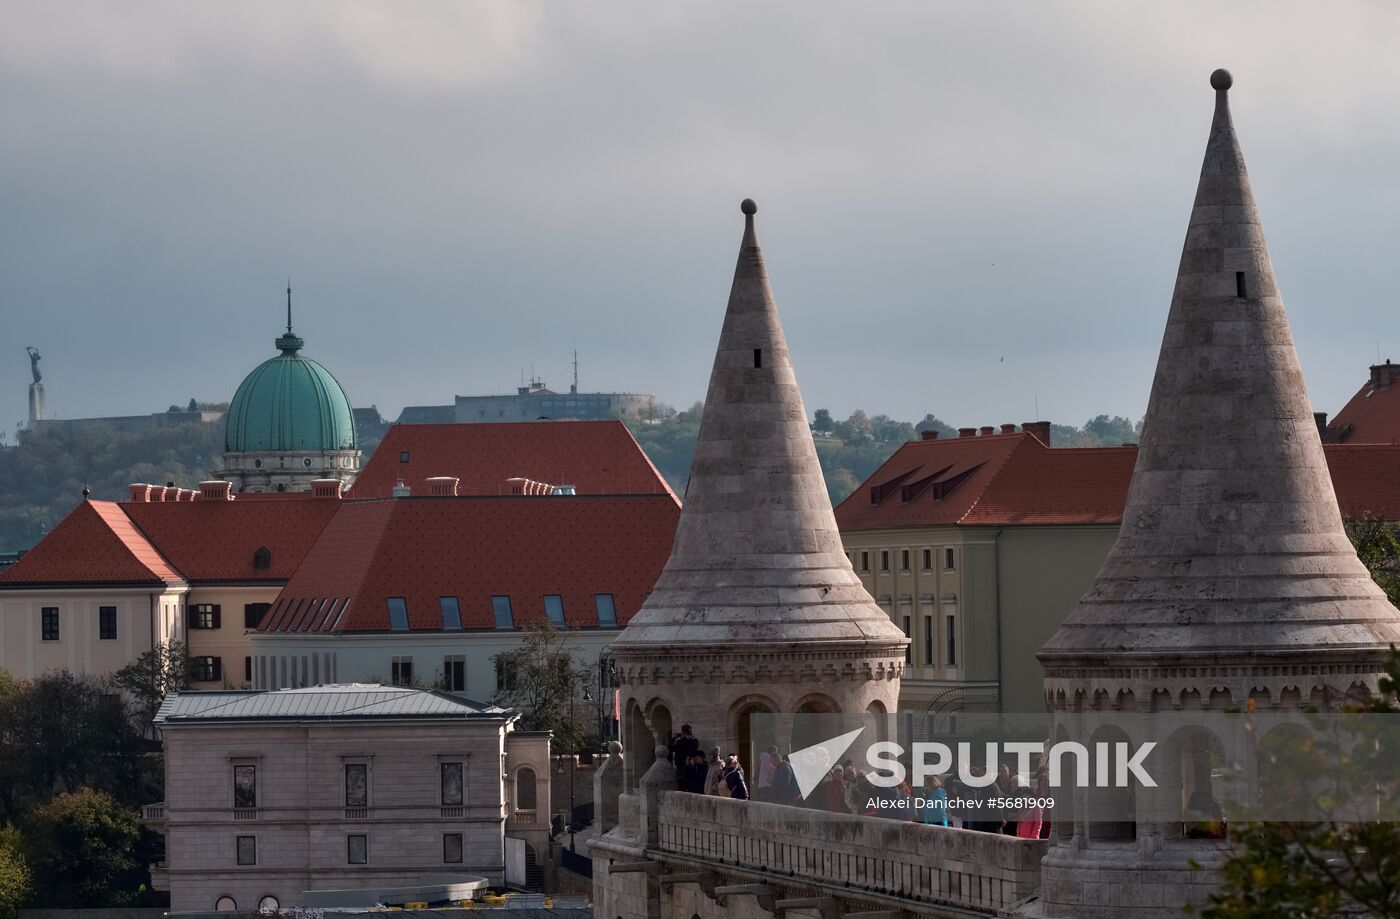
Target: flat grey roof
{"type": "Point", "coordinates": [335, 702]}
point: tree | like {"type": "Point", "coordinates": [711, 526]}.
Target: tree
{"type": "Point", "coordinates": [933, 423]}
{"type": "Point", "coordinates": [193, 406]}
{"type": "Point", "coordinates": [14, 871]}
{"type": "Point", "coordinates": [1110, 432]}
{"type": "Point", "coordinates": [153, 676]}
{"type": "Point", "coordinates": [855, 430]}
{"type": "Point", "coordinates": [82, 849]}
{"type": "Point", "coordinates": [1377, 547]}
{"type": "Point", "coordinates": [885, 430]}
{"type": "Point", "coordinates": [822, 422]}
{"type": "Point", "coordinates": [543, 681]}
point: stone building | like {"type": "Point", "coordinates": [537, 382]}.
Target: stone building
{"type": "Point", "coordinates": [271, 795]}
{"type": "Point", "coordinates": [1231, 581]}
{"type": "Point", "coordinates": [289, 424]}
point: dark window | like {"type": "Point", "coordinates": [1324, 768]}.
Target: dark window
{"type": "Point", "coordinates": [454, 674]}
{"type": "Point", "coordinates": [245, 786]}
{"type": "Point", "coordinates": [206, 669]}
{"type": "Point", "coordinates": [356, 785]}
{"type": "Point", "coordinates": [1239, 285]}
{"type": "Point", "coordinates": [884, 560]}
{"type": "Point", "coordinates": [928, 639]}
{"type": "Point", "coordinates": [247, 850]}
{"type": "Point", "coordinates": [909, 648]}
{"type": "Point", "coordinates": [398, 614]}
{"type": "Point", "coordinates": [107, 622]}
{"type": "Point", "coordinates": [357, 849]}
{"type": "Point", "coordinates": [451, 612]}
{"type": "Point", "coordinates": [903, 559]}
{"type": "Point", "coordinates": [452, 848]}
{"type": "Point", "coordinates": [948, 559]}
{"type": "Point", "coordinates": [48, 623]}
{"type": "Point", "coordinates": [928, 559]}
{"type": "Point", "coordinates": [450, 779]}
{"type": "Point", "coordinates": [505, 675]}
{"type": "Point", "coordinates": [951, 657]}
{"type": "Point", "coordinates": [403, 456]}
{"type": "Point", "coordinates": [526, 797]}
{"type": "Point", "coordinates": [247, 670]}
{"type": "Point", "coordinates": [607, 610]}
{"type": "Point", "coordinates": [401, 671]}
{"type": "Point", "coordinates": [204, 616]}
{"type": "Point", "coordinates": [758, 358]}
{"type": "Point", "coordinates": [253, 614]}
{"type": "Point", "coordinates": [262, 559]}
{"type": "Point", "coordinates": [865, 561]}
{"type": "Point", "coordinates": [554, 609]}
{"type": "Point", "coordinates": [500, 608]}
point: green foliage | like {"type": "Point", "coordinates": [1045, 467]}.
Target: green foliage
{"type": "Point", "coordinates": [151, 677]}
{"type": "Point", "coordinates": [1379, 549]}
{"type": "Point", "coordinates": [42, 478]}
{"type": "Point", "coordinates": [541, 678]}
{"type": "Point", "coordinates": [82, 848]}
{"type": "Point", "coordinates": [14, 871]}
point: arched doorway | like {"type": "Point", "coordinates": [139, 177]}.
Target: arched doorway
{"type": "Point", "coordinates": [751, 738]}
{"type": "Point", "coordinates": [525, 789]}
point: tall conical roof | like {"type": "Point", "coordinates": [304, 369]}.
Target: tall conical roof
{"type": "Point", "coordinates": [1231, 539]}
{"type": "Point", "coordinates": [757, 556]}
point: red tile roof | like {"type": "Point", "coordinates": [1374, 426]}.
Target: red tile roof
{"type": "Point", "coordinates": [474, 548]}
{"type": "Point", "coordinates": [95, 544]}
{"type": "Point", "coordinates": [216, 540]}
{"type": "Point", "coordinates": [598, 457]}
{"type": "Point", "coordinates": [1018, 481]}
{"type": "Point", "coordinates": [1373, 414]}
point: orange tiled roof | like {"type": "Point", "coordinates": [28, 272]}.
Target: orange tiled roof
{"type": "Point", "coordinates": [599, 457]}
{"type": "Point", "coordinates": [474, 548]}
{"type": "Point", "coordinates": [95, 544]}
{"type": "Point", "coordinates": [1372, 416]}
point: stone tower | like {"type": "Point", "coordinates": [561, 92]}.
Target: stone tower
{"type": "Point", "coordinates": [1232, 581]}
{"type": "Point", "coordinates": [758, 609]}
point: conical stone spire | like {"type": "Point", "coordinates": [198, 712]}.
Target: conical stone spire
{"type": "Point", "coordinates": [1231, 544]}
{"type": "Point", "coordinates": [757, 557]}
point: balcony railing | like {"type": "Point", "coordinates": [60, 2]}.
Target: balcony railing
{"type": "Point", "coordinates": [153, 813]}
{"type": "Point", "coordinates": [453, 811]}
{"type": "Point", "coordinates": [245, 813]}
{"type": "Point", "coordinates": [356, 813]}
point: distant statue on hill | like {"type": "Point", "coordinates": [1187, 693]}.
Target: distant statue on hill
{"type": "Point", "coordinates": [34, 358]}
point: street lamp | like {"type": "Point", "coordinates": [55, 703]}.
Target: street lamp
{"type": "Point", "coordinates": [573, 767]}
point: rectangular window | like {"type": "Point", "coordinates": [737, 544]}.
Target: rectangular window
{"type": "Point", "coordinates": [454, 673]}
{"type": "Point", "coordinates": [357, 849]}
{"type": "Point", "coordinates": [204, 616]}
{"type": "Point", "coordinates": [107, 622]}
{"type": "Point", "coordinates": [884, 559]}
{"type": "Point", "coordinates": [554, 609]}
{"type": "Point", "coordinates": [928, 559]}
{"type": "Point", "coordinates": [948, 559]}
{"type": "Point", "coordinates": [758, 358]}
{"type": "Point", "coordinates": [451, 612]}
{"type": "Point", "coordinates": [357, 785]}
{"type": "Point", "coordinates": [403, 456]}
{"type": "Point", "coordinates": [903, 559]}
{"type": "Point", "coordinates": [398, 614]}
{"type": "Point", "coordinates": [607, 610]}
{"type": "Point", "coordinates": [245, 786]}
{"type": "Point", "coordinates": [1239, 285]}
{"type": "Point", "coordinates": [500, 608]}
{"type": "Point", "coordinates": [951, 656]}
{"type": "Point", "coordinates": [450, 778]}
{"type": "Point", "coordinates": [928, 640]}
{"type": "Point", "coordinates": [206, 669]}
{"type": "Point", "coordinates": [248, 670]}
{"type": "Point", "coordinates": [401, 671]}
{"type": "Point", "coordinates": [909, 648]}
{"type": "Point", "coordinates": [247, 850]}
{"type": "Point", "coordinates": [253, 614]}
{"type": "Point", "coordinates": [452, 848]}
{"type": "Point", "coordinates": [48, 623]}
{"type": "Point", "coordinates": [865, 561]}
{"type": "Point", "coordinates": [505, 675]}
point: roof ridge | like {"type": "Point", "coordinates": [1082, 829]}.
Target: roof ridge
{"type": "Point", "coordinates": [994, 470]}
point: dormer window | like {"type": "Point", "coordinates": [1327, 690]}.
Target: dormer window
{"type": "Point", "coordinates": [262, 559]}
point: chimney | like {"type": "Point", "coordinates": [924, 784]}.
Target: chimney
{"type": "Point", "coordinates": [1008, 429]}
{"type": "Point", "coordinates": [988, 430]}
{"type": "Point", "coordinates": [215, 490]}
{"type": "Point", "coordinates": [1383, 375]}
{"type": "Point", "coordinates": [967, 432]}
{"type": "Point", "coordinates": [930, 434]}
{"type": "Point", "coordinates": [1040, 430]}
{"type": "Point", "coordinates": [188, 494]}
{"type": "Point", "coordinates": [139, 493]}
{"type": "Point", "coordinates": [443, 485]}
{"type": "Point", "coordinates": [401, 490]}
{"type": "Point", "coordinates": [327, 488]}
{"type": "Point", "coordinates": [157, 493]}
{"type": "Point", "coordinates": [1320, 419]}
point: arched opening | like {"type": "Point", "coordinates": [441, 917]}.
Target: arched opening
{"type": "Point", "coordinates": [879, 715]}
{"type": "Point", "coordinates": [661, 731]}
{"type": "Point", "coordinates": [525, 789]}
{"type": "Point", "coordinates": [1188, 789]}
{"type": "Point", "coordinates": [807, 731]}
{"type": "Point", "coordinates": [225, 904]}
{"type": "Point", "coordinates": [1110, 811]}
{"type": "Point", "coordinates": [268, 904]}
{"type": "Point", "coordinates": [752, 738]}
{"type": "Point", "coordinates": [638, 752]}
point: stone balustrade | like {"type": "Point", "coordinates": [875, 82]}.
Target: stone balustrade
{"type": "Point", "coordinates": [986, 872]}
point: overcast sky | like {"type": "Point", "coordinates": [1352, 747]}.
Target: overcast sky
{"type": "Point", "coordinates": [965, 208]}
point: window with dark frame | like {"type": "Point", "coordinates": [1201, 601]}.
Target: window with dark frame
{"type": "Point", "coordinates": [107, 623]}
{"type": "Point", "coordinates": [884, 559]}
{"type": "Point", "coordinates": [451, 612]}
{"type": "Point", "coordinates": [865, 561]}
{"type": "Point", "coordinates": [357, 849]}
{"type": "Point", "coordinates": [48, 623]}
{"type": "Point", "coordinates": [450, 784]}
{"type": "Point", "coordinates": [204, 616]}
{"type": "Point", "coordinates": [500, 609]}
{"type": "Point", "coordinates": [248, 670]}
{"type": "Point", "coordinates": [452, 848]}
{"type": "Point", "coordinates": [903, 559]}
{"type": "Point", "coordinates": [401, 671]}
{"type": "Point", "coordinates": [403, 456]}
{"type": "Point", "coordinates": [948, 559]}
{"type": "Point", "coordinates": [245, 786]}
{"type": "Point", "coordinates": [253, 614]}
{"type": "Point", "coordinates": [928, 640]}
{"type": "Point", "coordinates": [909, 648]}
{"type": "Point", "coordinates": [928, 559]}
{"type": "Point", "coordinates": [262, 558]}
{"type": "Point", "coordinates": [398, 614]}
{"type": "Point", "coordinates": [247, 850]}
{"type": "Point", "coordinates": [505, 675]}
{"type": "Point", "coordinates": [554, 609]}
{"type": "Point", "coordinates": [607, 610]}
{"type": "Point", "coordinates": [454, 673]}
{"type": "Point", "coordinates": [951, 657]}
{"type": "Point", "coordinates": [357, 785]}
{"type": "Point", "coordinates": [206, 669]}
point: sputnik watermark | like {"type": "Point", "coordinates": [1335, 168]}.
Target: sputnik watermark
{"type": "Point", "coordinates": [1114, 764]}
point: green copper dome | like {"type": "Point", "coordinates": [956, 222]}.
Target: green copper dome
{"type": "Point", "coordinates": [289, 403]}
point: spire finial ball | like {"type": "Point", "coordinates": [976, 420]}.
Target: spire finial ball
{"type": "Point", "coordinates": [748, 207]}
{"type": "Point", "coordinates": [1221, 80]}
